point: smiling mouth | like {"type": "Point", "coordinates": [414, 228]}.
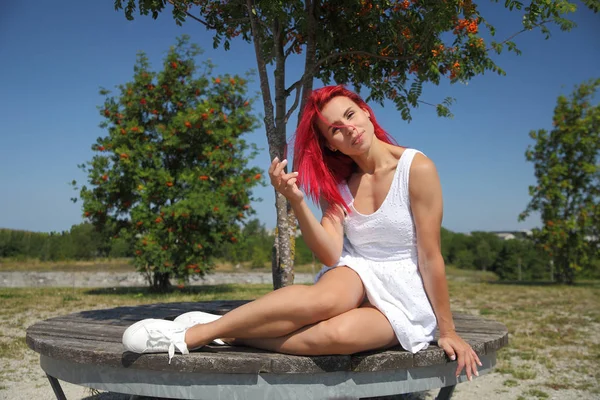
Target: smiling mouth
{"type": "Point", "coordinates": [358, 139]}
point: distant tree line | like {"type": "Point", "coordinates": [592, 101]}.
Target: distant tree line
{"type": "Point", "coordinates": [85, 242]}
{"type": "Point", "coordinates": [510, 260]}
{"type": "Point", "coordinates": [513, 259]}
{"type": "Point", "coordinates": [82, 242]}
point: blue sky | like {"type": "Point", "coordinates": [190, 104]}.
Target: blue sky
{"type": "Point", "coordinates": [56, 55]}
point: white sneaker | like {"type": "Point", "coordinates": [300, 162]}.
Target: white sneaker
{"type": "Point", "coordinates": [192, 318]}
{"type": "Point", "coordinates": [155, 336]}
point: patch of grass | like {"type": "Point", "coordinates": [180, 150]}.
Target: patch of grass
{"type": "Point", "coordinates": [70, 297]}
{"type": "Point", "coordinates": [527, 355]}
{"type": "Point", "coordinates": [470, 275]}
{"type": "Point", "coordinates": [521, 372]}
{"type": "Point", "coordinates": [18, 322]}
{"type": "Point", "coordinates": [582, 369]}
{"type": "Point", "coordinates": [8, 295]}
{"type": "Point", "coordinates": [13, 348]}
{"type": "Point", "coordinates": [524, 372]}
{"type": "Point", "coordinates": [6, 375]}
{"type": "Point", "coordinates": [510, 383]}
{"type": "Point", "coordinates": [547, 362]}
{"type": "Point", "coordinates": [504, 368]}
{"type": "Point", "coordinates": [537, 393]}
{"type": "Point", "coordinates": [558, 385]}
{"type": "Point", "coordinates": [108, 264]}
{"type": "Point", "coordinates": [505, 354]}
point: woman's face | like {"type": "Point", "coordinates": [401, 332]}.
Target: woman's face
{"type": "Point", "coordinates": [347, 127]}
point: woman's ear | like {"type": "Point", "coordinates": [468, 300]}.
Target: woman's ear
{"type": "Point", "coordinates": [367, 113]}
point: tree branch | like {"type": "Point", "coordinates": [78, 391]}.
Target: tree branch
{"type": "Point", "coordinates": [293, 107]}
{"type": "Point", "coordinates": [521, 31]}
{"type": "Point", "coordinates": [193, 16]}
{"type": "Point", "coordinates": [427, 103]}
{"type": "Point", "coordinates": [359, 52]}
{"type": "Point", "coordinates": [296, 84]}
{"type": "Point", "coordinates": [226, 22]}
{"type": "Point", "coordinates": [289, 49]}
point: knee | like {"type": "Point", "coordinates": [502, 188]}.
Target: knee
{"type": "Point", "coordinates": [322, 305]}
{"type": "Point", "coordinates": [339, 336]}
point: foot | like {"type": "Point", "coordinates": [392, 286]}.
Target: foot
{"type": "Point", "coordinates": [192, 318]}
{"type": "Point", "coordinates": [156, 336]}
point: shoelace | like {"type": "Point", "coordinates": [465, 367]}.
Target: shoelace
{"type": "Point", "coordinates": [159, 336]}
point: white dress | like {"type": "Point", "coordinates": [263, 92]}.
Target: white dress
{"type": "Point", "coordinates": [381, 247]}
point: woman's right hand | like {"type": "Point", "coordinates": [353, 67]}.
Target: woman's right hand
{"type": "Point", "coordinates": [285, 183]}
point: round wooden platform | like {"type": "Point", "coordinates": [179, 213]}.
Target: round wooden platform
{"type": "Point", "coordinates": [85, 348]}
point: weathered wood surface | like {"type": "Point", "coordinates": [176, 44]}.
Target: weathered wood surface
{"type": "Point", "coordinates": [94, 337]}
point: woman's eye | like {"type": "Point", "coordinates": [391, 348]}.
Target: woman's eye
{"type": "Point", "coordinates": [350, 114]}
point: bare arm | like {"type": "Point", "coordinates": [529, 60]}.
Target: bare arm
{"type": "Point", "coordinates": [324, 238]}
{"type": "Point", "coordinates": [427, 208]}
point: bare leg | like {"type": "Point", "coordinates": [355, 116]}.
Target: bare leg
{"type": "Point", "coordinates": [360, 329]}
{"type": "Point", "coordinates": [285, 310]}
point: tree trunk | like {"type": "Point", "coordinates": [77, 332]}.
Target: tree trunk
{"type": "Point", "coordinates": [311, 53]}
{"type": "Point", "coordinates": [284, 248]}
{"type": "Point", "coordinates": [282, 261]}
{"type": "Point", "coordinates": [160, 282]}
{"type": "Point", "coordinates": [275, 124]}
{"type": "Point", "coordinates": [564, 273]}
{"type": "Point", "coordinates": [283, 266]}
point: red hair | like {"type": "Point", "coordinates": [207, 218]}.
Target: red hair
{"type": "Point", "coordinates": [321, 169]}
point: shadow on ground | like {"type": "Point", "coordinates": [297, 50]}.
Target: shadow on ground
{"type": "Point", "coordinates": [120, 396]}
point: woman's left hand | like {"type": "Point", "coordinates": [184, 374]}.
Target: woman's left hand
{"type": "Point", "coordinates": [455, 347]}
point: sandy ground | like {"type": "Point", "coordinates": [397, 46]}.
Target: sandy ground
{"type": "Point", "coordinates": [24, 379]}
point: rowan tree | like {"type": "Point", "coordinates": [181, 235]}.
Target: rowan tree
{"type": "Point", "coordinates": [567, 194]}
{"type": "Point", "coordinates": [390, 47]}
{"type": "Point", "coordinates": [171, 176]}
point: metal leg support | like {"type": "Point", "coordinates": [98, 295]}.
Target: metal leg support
{"type": "Point", "coordinates": [58, 392]}
{"type": "Point", "coordinates": [445, 393]}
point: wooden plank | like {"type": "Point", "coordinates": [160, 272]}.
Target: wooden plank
{"type": "Point", "coordinates": [112, 354]}
{"type": "Point", "coordinates": [392, 359]}
{"type": "Point", "coordinates": [72, 330]}
{"type": "Point", "coordinates": [433, 355]}
{"type": "Point", "coordinates": [218, 359]}
{"type": "Point", "coordinates": [129, 315]}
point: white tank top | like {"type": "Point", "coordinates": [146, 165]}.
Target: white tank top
{"type": "Point", "coordinates": [388, 234]}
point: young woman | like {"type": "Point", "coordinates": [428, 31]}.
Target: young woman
{"type": "Point", "coordinates": [383, 282]}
